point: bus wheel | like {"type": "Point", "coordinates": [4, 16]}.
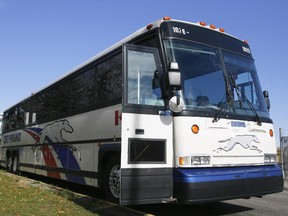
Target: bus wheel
{"type": "Point", "coordinates": [112, 180]}
{"type": "Point", "coordinates": [15, 164]}
{"type": "Point", "coordinates": [9, 162]}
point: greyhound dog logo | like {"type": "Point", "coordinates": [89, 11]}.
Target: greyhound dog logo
{"type": "Point", "coordinates": [55, 149]}
{"type": "Point", "coordinates": [246, 141]}
{"type": "Point", "coordinates": [53, 133]}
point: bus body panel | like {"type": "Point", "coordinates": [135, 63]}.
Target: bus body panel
{"type": "Point", "coordinates": [66, 149]}
{"type": "Point", "coordinates": [146, 162]}
{"type": "Point", "coordinates": [227, 142]}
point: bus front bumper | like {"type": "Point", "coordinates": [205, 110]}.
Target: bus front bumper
{"type": "Point", "coordinates": [195, 185]}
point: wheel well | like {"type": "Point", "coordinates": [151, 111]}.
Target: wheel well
{"type": "Point", "coordinates": [8, 153]}
{"type": "Point", "coordinates": [11, 152]}
{"type": "Point", "coordinates": [102, 164]}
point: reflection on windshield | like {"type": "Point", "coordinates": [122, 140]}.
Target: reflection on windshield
{"type": "Point", "coordinates": [207, 80]}
{"type": "Point", "coordinates": [247, 93]}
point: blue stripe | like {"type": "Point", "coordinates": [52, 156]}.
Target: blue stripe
{"type": "Point", "coordinates": [194, 175]}
{"type": "Point", "coordinates": [35, 130]}
{"type": "Point", "coordinates": [68, 161]}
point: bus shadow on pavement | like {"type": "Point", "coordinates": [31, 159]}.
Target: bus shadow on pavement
{"type": "Point", "coordinates": [217, 208]}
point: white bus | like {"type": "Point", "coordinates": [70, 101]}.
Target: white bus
{"type": "Point", "coordinates": [172, 113]}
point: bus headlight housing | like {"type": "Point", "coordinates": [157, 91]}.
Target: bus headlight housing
{"type": "Point", "coordinates": [200, 160]}
{"type": "Point", "coordinates": [270, 158]}
{"type": "Point", "coordinates": [195, 160]}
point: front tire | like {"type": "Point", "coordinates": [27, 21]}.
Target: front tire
{"type": "Point", "coordinates": [112, 179]}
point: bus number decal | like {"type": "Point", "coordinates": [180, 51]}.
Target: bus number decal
{"type": "Point", "coordinates": [178, 30]}
{"type": "Point", "coordinates": [245, 49]}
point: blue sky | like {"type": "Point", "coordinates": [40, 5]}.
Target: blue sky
{"type": "Point", "coordinates": [40, 40]}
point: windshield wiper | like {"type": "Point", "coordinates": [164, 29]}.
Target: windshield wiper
{"type": "Point", "coordinates": [243, 97]}
{"type": "Point", "coordinates": [229, 99]}
{"type": "Point", "coordinates": [218, 114]}
{"type": "Point", "coordinates": [219, 110]}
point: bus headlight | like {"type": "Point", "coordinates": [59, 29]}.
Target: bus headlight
{"type": "Point", "coordinates": [200, 160]}
{"type": "Point", "coordinates": [270, 158]}
{"type": "Point", "coordinates": [194, 160]}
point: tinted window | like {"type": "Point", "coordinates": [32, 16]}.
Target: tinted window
{"type": "Point", "coordinates": [95, 87]}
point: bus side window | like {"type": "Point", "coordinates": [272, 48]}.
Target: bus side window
{"type": "Point", "coordinates": [20, 117]}
{"type": "Point", "coordinates": [27, 118]}
{"type": "Point", "coordinates": [33, 118]}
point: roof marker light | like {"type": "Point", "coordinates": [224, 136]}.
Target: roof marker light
{"type": "Point", "coordinates": [148, 27]}
{"type": "Point", "coordinates": [221, 30]}
{"type": "Point", "coordinates": [202, 23]}
{"type": "Point", "coordinates": [166, 18]}
{"type": "Point", "coordinates": [245, 41]}
{"type": "Point", "coordinates": [212, 26]}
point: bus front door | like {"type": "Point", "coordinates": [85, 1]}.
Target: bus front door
{"type": "Point", "coordinates": [146, 137]}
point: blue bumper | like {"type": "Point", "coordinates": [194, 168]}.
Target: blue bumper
{"type": "Point", "coordinates": [214, 184]}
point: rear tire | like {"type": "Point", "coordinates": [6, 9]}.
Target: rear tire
{"type": "Point", "coordinates": [15, 163]}
{"type": "Point", "coordinates": [9, 162]}
{"type": "Point", "coordinates": [112, 179]}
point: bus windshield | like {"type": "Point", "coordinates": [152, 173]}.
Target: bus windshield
{"type": "Point", "coordinates": [216, 81]}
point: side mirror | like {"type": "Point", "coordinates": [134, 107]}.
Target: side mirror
{"type": "Point", "coordinates": [176, 104]}
{"type": "Point", "coordinates": [267, 100]}
{"type": "Point", "coordinates": [174, 76]}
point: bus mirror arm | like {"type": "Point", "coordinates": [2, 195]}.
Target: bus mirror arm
{"type": "Point", "coordinates": [165, 113]}
{"type": "Point", "coordinates": [267, 100]}
{"type": "Point", "coordinates": [177, 100]}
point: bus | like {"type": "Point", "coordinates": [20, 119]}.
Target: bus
{"type": "Point", "coordinates": [172, 113]}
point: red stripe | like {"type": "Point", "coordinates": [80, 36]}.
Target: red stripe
{"type": "Point", "coordinates": [50, 161]}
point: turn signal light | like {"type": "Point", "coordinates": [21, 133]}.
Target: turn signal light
{"type": "Point", "coordinates": [271, 133]}
{"type": "Point", "coordinates": [184, 161]}
{"type": "Point", "coordinates": [195, 129]}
